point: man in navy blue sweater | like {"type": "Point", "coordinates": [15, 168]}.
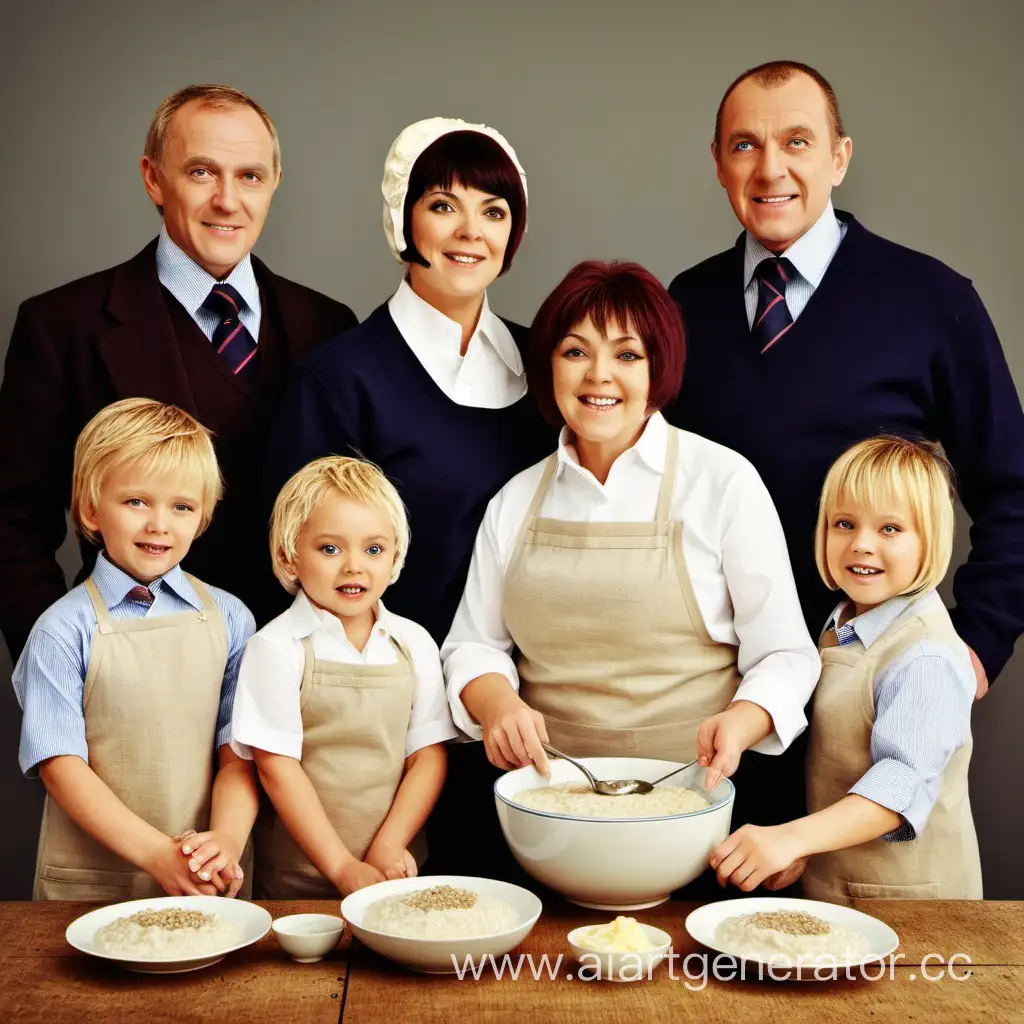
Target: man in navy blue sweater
{"type": "Point", "coordinates": [812, 333]}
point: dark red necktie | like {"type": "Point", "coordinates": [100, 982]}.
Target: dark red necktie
{"type": "Point", "coordinates": [231, 341]}
{"type": "Point", "coordinates": [772, 318]}
{"type": "Point", "coordinates": [140, 594]}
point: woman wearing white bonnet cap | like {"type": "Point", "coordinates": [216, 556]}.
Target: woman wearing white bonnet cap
{"type": "Point", "coordinates": [431, 386]}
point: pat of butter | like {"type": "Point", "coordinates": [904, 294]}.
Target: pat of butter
{"type": "Point", "coordinates": [623, 935]}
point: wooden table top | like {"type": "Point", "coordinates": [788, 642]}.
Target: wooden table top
{"type": "Point", "coordinates": [44, 980]}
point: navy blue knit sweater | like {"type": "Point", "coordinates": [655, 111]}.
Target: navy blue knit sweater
{"type": "Point", "coordinates": [366, 393]}
{"type": "Point", "coordinates": [891, 341]}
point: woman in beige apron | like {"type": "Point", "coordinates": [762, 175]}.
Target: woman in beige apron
{"type": "Point", "coordinates": [150, 703]}
{"type": "Point", "coordinates": [897, 681]}
{"type": "Point", "coordinates": [623, 646]}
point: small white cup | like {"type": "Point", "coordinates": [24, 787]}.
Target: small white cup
{"type": "Point", "coordinates": [307, 938]}
{"type": "Point", "coordinates": [620, 966]}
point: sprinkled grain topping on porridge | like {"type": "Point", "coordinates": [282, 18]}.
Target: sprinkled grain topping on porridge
{"type": "Point", "coordinates": [442, 897]}
{"type": "Point", "coordinates": [173, 917]}
{"type": "Point", "coordinates": [441, 912]}
{"type": "Point", "coordinates": [792, 922]}
{"type": "Point", "coordinates": [580, 801]}
{"type": "Point", "coordinates": [790, 937]}
{"type": "Point", "coordinates": [172, 933]}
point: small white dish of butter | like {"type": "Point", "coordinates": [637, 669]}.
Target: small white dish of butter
{"type": "Point", "coordinates": [621, 950]}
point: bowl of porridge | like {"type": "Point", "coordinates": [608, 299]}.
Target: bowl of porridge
{"type": "Point", "coordinates": [437, 924]}
{"type": "Point", "coordinates": [782, 939]}
{"type": "Point", "coordinates": [169, 934]}
{"type": "Point", "coordinates": [613, 852]}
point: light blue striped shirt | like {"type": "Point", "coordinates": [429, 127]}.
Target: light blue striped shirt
{"type": "Point", "coordinates": [810, 255]}
{"type": "Point", "coordinates": [923, 702]}
{"type": "Point", "coordinates": [49, 678]}
{"type": "Point", "coordinates": [191, 285]}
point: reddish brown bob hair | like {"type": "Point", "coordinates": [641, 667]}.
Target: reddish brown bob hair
{"type": "Point", "coordinates": [606, 292]}
{"type": "Point", "coordinates": [474, 161]}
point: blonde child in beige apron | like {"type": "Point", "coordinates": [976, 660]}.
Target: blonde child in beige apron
{"type": "Point", "coordinates": [152, 686]}
{"type": "Point", "coordinates": [616, 651]}
{"type": "Point", "coordinates": [348, 740]}
{"type": "Point", "coordinates": [867, 834]}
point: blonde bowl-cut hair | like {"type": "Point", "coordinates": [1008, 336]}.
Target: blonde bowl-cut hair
{"type": "Point", "coordinates": [885, 469]}
{"type": "Point", "coordinates": [160, 438]}
{"type": "Point", "coordinates": [216, 96]}
{"type": "Point", "coordinates": [357, 479]}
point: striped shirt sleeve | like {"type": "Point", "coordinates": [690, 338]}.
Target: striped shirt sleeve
{"type": "Point", "coordinates": [923, 704]}
{"type": "Point", "coordinates": [49, 680]}
{"type": "Point", "coordinates": [240, 626]}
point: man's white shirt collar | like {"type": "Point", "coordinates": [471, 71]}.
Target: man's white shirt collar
{"type": "Point", "coordinates": [191, 285]}
{"type": "Point", "coordinates": [810, 254]}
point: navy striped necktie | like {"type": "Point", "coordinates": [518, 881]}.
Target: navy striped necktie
{"type": "Point", "coordinates": [772, 318]}
{"type": "Point", "coordinates": [231, 341]}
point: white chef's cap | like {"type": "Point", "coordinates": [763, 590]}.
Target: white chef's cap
{"type": "Point", "coordinates": [405, 151]}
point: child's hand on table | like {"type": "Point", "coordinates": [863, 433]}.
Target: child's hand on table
{"type": "Point", "coordinates": [170, 869]}
{"type": "Point", "coordinates": [356, 874]}
{"type": "Point", "coordinates": [392, 861]}
{"type": "Point", "coordinates": [755, 853]}
{"type": "Point", "coordinates": [213, 857]}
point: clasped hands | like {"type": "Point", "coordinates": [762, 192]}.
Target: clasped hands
{"type": "Point", "coordinates": [198, 864]}
{"type": "Point", "coordinates": [383, 861]}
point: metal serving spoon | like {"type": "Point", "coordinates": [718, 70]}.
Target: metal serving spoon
{"type": "Point", "coordinates": [615, 787]}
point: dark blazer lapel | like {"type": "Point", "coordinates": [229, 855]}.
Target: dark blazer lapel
{"type": "Point", "coordinates": [295, 318]}
{"type": "Point", "coordinates": [141, 352]}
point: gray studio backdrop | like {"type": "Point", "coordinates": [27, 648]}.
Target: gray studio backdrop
{"type": "Point", "coordinates": [610, 107]}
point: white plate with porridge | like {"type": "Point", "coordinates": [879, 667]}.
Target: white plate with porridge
{"type": "Point", "coordinates": [169, 934]}
{"type": "Point", "coordinates": [434, 922]}
{"type": "Point", "coordinates": [784, 939]}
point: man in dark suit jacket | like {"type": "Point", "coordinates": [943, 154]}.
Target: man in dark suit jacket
{"type": "Point", "coordinates": [812, 333]}
{"type": "Point", "coordinates": [153, 327]}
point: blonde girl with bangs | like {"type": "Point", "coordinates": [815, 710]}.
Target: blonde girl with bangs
{"type": "Point", "coordinates": [127, 682]}
{"type": "Point", "coordinates": [890, 742]}
{"type": "Point", "coordinates": [341, 703]}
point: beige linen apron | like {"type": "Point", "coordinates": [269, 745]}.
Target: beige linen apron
{"type": "Point", "coordinates": [150, 701]}
{"type": "Point", "coordinates": [943, 861]}
{"type": "Point", "coordinates": [354, 724]}
{"type": "Point", "coordinates": [613, 650]}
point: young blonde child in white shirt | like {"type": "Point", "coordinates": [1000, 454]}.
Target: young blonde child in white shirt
{"type": "Point", "coordinates": [341, 703]}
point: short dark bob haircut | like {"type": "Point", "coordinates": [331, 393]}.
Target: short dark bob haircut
{"type": "Point", "coordinates": [606, 292]}
{"type": "Point", "coordinates": [474, 161]}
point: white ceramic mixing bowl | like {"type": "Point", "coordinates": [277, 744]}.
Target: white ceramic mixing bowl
{"type": "Point", "coordinates": [613, 863]}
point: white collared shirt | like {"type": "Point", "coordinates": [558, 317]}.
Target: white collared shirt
{"type": "Point", "coordinates": [267, 713]}
{"type": "Point", "coordinates": [489, 376]}
{"type": "Point", "coordinates": [810, 255]}
{"type": "Point", "coordinates": [735, 553]}
{"type": "Point", "coordinates": [191, 285]}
